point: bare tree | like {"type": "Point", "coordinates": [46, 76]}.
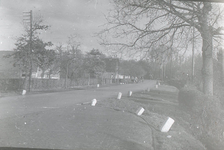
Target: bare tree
{"type": "Point", "coordinates": [139, 25]}
{"type": "Point", "coordinates": [69, 59]}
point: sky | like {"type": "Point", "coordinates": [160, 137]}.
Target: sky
{"type": "Point", "coordinates": [83, 18]}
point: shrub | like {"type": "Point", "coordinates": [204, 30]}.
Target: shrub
{"type": "Point", "coordinates": [206, 114]}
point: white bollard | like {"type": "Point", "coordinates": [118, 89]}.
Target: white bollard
{"type": "Point", "coordinates": [140, 111]}
{"type": "Point", "coordinates": [129, 93]}
{"type": "Point", "coordinates": [148, 89]}
{"type": "Point", "coordinates": [98, 85]}
{"type": "Point", "coordinates": [166, 127]}
{"type": "Point", "coordinates": [94, 101]}
{"type": "Point", "coordinates": [24, 92]}
{"type": "Point", "coordinates": [119, 95]}
{"type": "Point", "coordinates": [156, 86]}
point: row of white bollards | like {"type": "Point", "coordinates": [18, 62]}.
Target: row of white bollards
{"type": "Point", "coordinates": [165, 128]}
{"type": "Point", "coordinates": [94, 101]}
{"type": "Point", "coordinates": [140, 111]}
{"type": "Point", "coordinates": [120, 94]}
{"type": "Point", "coordinates": [167, 124]}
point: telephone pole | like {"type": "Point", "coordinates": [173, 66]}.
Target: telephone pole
{"type": "Point", "coordinates": [28, 18]}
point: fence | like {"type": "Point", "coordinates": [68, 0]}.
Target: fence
{"type": "Point", "coordinates": [10, 84]}
{"type": "Point", "coordinates": [50, 84]}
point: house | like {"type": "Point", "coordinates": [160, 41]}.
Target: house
{"type": "Point", "coordinates": [38, 73]}
{"type": "Point", "coordinates": [10, 71]}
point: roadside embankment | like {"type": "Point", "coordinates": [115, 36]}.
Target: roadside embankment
{"type": "Point", "coordinates": [204, 116]}
{"type": "Point", "coordinates": [159, 104]}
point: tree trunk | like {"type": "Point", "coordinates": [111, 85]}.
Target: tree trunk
{"type": "Point", "coordinates": [222, 66]}
{"type": "Point", "coordinates": [207, 48]}
{"type": "Point", "coordinates": [66, 76]}
{"type": "Point", "coordinates": [207, 68]}
{"type": "Point", "coordinates": [25, 82]}
{"type": "Point", "coordinates": [30, 77]}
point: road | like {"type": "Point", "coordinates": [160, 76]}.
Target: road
{"type": "Point", "coordinates": [56, 120]}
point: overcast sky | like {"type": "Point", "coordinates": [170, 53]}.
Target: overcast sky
{"type": "Point", "coordinates": [66, 17]}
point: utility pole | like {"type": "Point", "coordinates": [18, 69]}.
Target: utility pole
{"type": "Point", "coordinates": [28, 18]}
{"type": "Point", "coordinates": [115, 57]}
{"type": "Point", "coordinates": [117, 69]}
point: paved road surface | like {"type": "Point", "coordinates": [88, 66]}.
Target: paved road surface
{"type": "Point", "coordinates": [19, 105]}
{"type": "Point", "coordinates": [54, 120]}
